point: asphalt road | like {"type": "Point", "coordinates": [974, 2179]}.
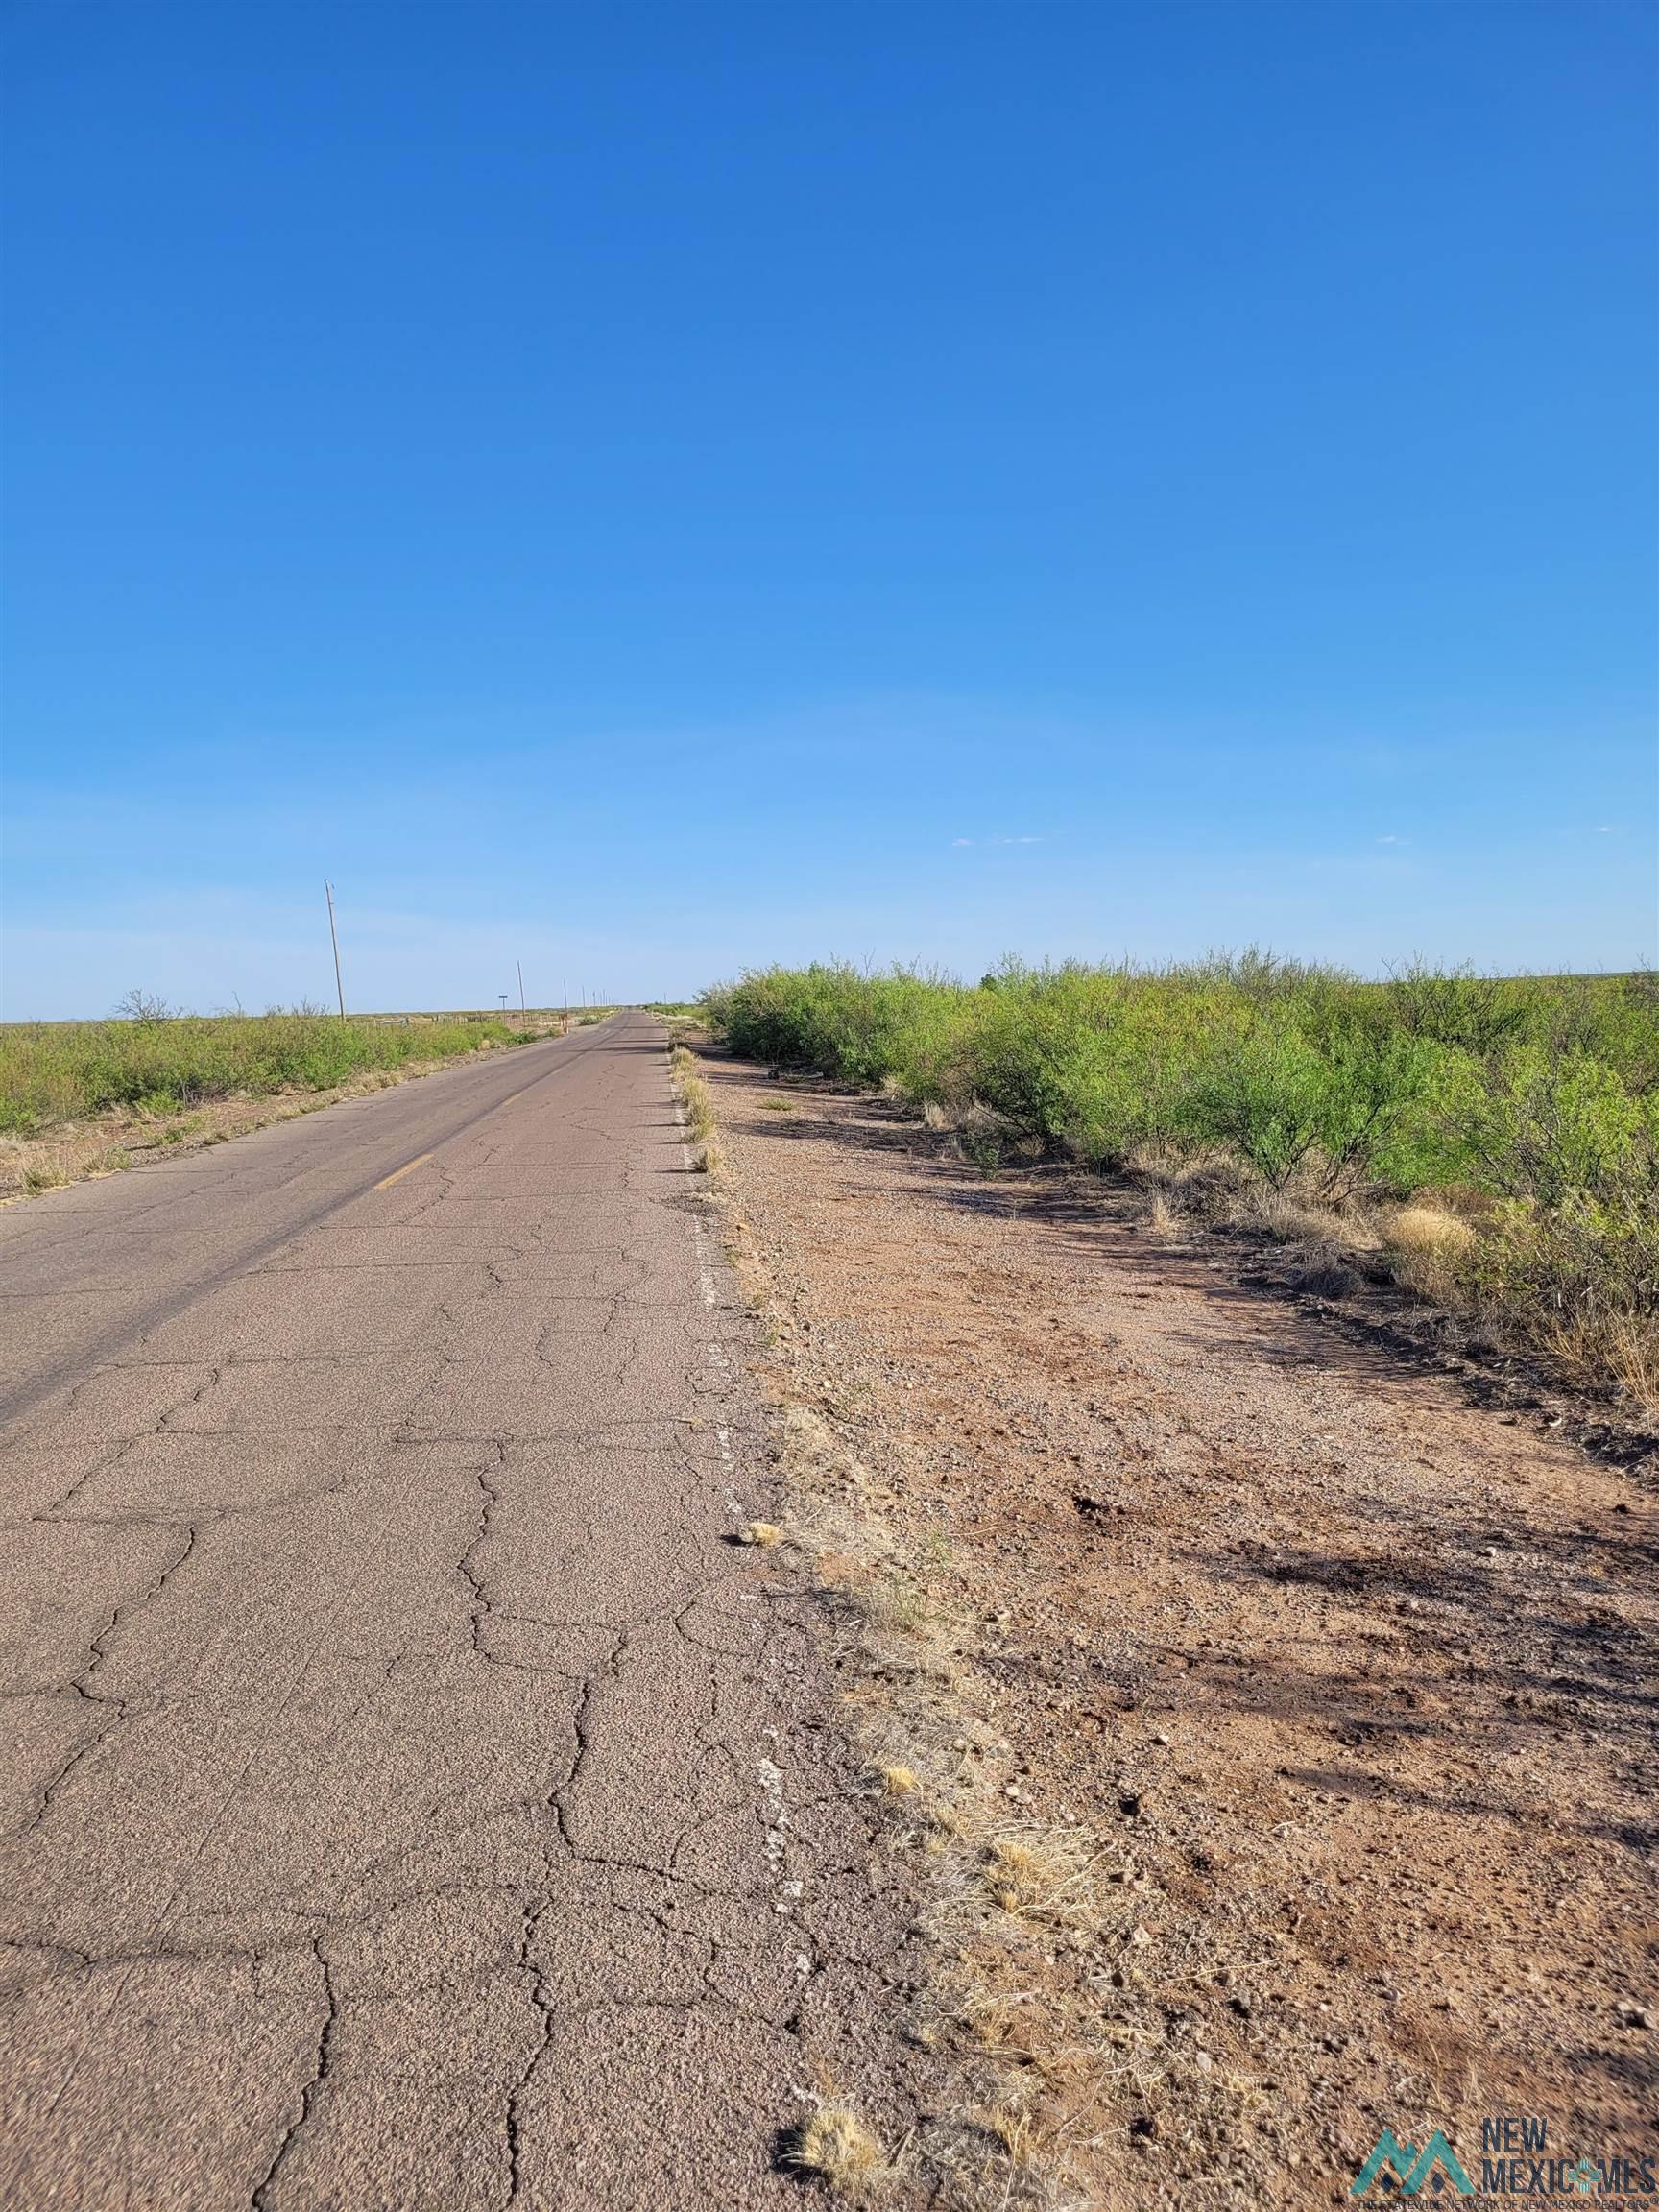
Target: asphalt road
{"type": "Point", "coordinates": [412, 1797]}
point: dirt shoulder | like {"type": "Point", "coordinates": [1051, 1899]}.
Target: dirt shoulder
{"type": "Point", "coordinates": [1279, 1718]}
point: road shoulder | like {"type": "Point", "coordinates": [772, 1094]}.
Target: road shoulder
{"type": "Point", "coordinates": [1226, 1672]}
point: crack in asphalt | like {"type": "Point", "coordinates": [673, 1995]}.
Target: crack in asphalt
{"type": "Point", "coordinates": [457, 1705]}
{"type": "Point", "coordinates": [83, 1686]}
{"type": "Point", "coordinates": [260, 2195]}
{"type": "Point", "coordinates": [125, 1199]}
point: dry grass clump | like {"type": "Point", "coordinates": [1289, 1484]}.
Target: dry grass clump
{"type": "Point", "coordinates": [762, 1534]}
{"type": "Point", "coordinates": [1016, 2132]}
{"type": "Point", "coordinates": [1202, 1184]}
{"type": "Point", "coordinates": [698, 1103]}
{"type": "Point", "coordinates": [1164, 1217]}
{"type": "Point", "coordinates": [1622, 1344]}
{"type": "Point", "coordinates": [1426, 1228]}
{"type": "Point", "coordinates": [1426, 1249]}
{"type": "Point", "coordinates": [1294, 1219]}
{"type": "Point", "coordinates": [699, 1107]}
{"type": "Point", "coordinates": [1153, 1163]}
{"type": "Point", "coordinates": [1018, 1874]}
{"type": "Point", "coordinates": [834, 2144]}
{"type": "Point", "coordinates": [1041, 1873]}
{"type": "Point", "coordinates": [890, 1603]}
{"type": "Point", "coordinates": [1321, 1240]}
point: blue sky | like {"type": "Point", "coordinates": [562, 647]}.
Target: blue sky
{"type": "Point", "coordinates": [648, 490]}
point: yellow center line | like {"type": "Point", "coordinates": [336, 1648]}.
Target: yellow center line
{"type": "Point", "coordinates": [385, 1181]}
{"type": "Point", "coordinates": [420, 1161]}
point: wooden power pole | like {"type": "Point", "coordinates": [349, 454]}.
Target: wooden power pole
{"type": "Point", "coordinates": [334, 940]}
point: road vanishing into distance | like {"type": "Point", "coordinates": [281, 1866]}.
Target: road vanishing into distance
{"type": "Point", "coordinates": [412, 1796]}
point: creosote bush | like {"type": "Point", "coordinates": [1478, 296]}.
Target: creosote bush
{"type": "Point", "coordinates": [1526, 1109]}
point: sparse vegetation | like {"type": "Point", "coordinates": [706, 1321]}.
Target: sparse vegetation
{"type": "Point", "coordinates": [834, 2144]}
{"type": "Point", "coordinates": [1426, 1246]}
{"type": "Point", "coordinates": [698, 1101]}
{"type": "Point", "coordinates": [1118, 1511]}
{"type": "Point", "coordinates": [1524, 1110]}
{"type": "Point", "coordinates": [156, 1063]}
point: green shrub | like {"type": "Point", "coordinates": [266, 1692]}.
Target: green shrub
{"type": "Point", "coordinates": [61, 1070]}
{"type": "Point", "coordinates": [829, 1017]}
{"type": "Point", "coordinates": [1269, 1097]}
{"type": "Point", "coordinates": [1550, 1126]}
{"type": "Point", "coordinates": [1541, 1093]}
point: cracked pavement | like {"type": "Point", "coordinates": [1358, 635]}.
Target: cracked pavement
{"type": "Point", "coordinates": [414, 1798]}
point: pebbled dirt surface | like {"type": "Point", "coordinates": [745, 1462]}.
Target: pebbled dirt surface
{"type": "Point", "coordinates": [413, 1799]}
{"type": "Point", "coordinates": [1345, 1680]}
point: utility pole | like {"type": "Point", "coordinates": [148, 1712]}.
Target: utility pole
{"type": "Point", "coordinates": [520, 964]}
{"type": "Point", "coordinates": [565, 989]}
{"type": "Point", "coordinates": [334, 940]}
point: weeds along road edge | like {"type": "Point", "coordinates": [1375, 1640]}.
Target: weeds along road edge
{"type": "Point", "coordinates": [1491, 1141]}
